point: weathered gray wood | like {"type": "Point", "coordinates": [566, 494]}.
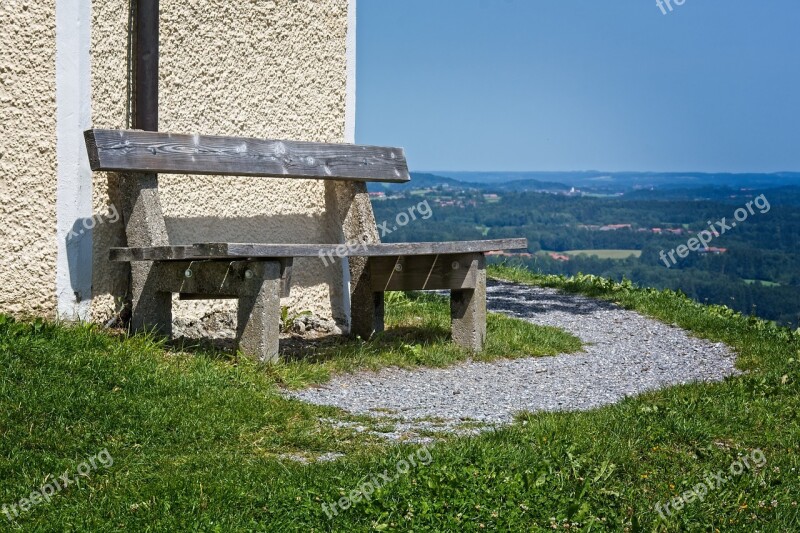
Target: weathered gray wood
{"type": "Point", "coordinates": [207, 279]}
{"type": "Point", "coordinates": [244, 250]}
{"type": "Point", "coordinates": [386, 248]}
{"type": "Point", "coordinates": [423, 272]}
{"type": "Point", "coordinates": [468, 310]}
{"type": "Point", "coordinates": [173, 153]}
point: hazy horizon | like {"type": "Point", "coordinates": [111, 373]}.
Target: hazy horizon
{"type": "Point", "coordinates": [594, 171]}
{"type": "Point", "coordinates": [511, 85]}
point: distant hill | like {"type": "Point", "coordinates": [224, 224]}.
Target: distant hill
{"type": "Point", "coordinates": [527, 185]}
{"type": "Point", "coordinates": [785, 186]}
{"type": "Point", "coordinates": [421, 180]}
{"type": "Point", "coordinates": [789, 195]}
{"type": "Point", "coordinates": [622, 182]}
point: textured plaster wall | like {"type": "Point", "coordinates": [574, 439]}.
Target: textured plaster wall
{"type": "Point", "coordinates": [27, 157]}
{"type": "Point", "coordinates": [274, 69]}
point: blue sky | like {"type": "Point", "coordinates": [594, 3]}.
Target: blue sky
{"type": "Point", "coordinates": [582, 84]}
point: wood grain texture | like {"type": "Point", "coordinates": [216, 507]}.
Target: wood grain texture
{"type": "Point", "coordinates": [423, 272]}
{"type": "Point", "coordinates": [243, 250]}
{"type": "Point", "coordinates": [211, 279]}
{"type": "Point", "coordinates": [173, 153]}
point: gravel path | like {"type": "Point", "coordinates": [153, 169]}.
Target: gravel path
{"type": "Point", "coordinates": [625, 354]}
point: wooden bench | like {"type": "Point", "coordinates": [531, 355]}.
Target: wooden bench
{"type": "Point", "coordinates": [258, 275]}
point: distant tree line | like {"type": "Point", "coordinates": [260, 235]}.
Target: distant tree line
{"type": "Point", "coordinates": [764, 248]}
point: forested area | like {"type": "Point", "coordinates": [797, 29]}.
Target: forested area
{"type": "Point", "coordinates": [759, 271]}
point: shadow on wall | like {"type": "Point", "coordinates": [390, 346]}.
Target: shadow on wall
{"type": "Point", "coordinates": [79, 257]}
{"type": "Point", "coordinates": [110, 281]}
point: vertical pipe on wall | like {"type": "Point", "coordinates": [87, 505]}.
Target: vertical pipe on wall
{"type": "Point", "coordinates": [144, 221]}
{"type": "Point", "coordinates": [146, 66]}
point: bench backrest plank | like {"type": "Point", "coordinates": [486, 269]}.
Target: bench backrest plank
{"type": "Point", "coordinates": [171, 153]}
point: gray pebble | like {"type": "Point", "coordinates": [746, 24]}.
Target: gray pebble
{"type": "Point", "coordinates": [624, 354]}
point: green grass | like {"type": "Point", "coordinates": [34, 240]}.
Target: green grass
{"type": "Point", "coordinates": [195, 439]}
{"type": "Point", "coordinates": [418, 330]}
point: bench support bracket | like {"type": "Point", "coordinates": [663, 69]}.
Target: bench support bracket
{"type": "Point", "coordinates": [464, 274]}
{"type": "Point", "coordinates": [257, 284]}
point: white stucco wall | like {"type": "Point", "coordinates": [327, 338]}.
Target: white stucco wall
{"type": "Point", "coordinates": [27, 157]}
{"type": "Point", "coordinates": [272, 69]}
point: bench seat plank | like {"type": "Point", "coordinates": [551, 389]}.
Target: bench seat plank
{"type": "Point", "coordinates": [223, 251]}
{"type": "Point", "coordinates": [173, 153]}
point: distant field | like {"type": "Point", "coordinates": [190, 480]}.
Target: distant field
{"type": "Point", "coordinates": [607, 254]}
{"type": "Point", "coordinates": [761, 281]}
{"type": "Point", "coordinates": [483, 229]}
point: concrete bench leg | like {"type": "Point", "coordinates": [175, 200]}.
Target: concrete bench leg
{"type": "Point", "coordinates": [366, 305]}
{"type": "Point", "coordinates": [468, 312]}
{"type": "Point", "coordinates": [259, 313]}
{"type": "Point", "coordinates": [367, 319]}
{"type": "Point", "coordinates": [151, 307]}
